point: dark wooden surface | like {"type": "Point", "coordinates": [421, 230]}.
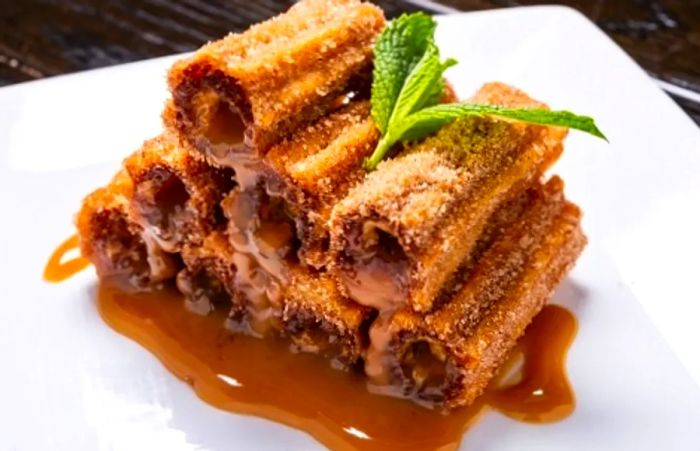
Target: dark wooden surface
{"type": "Point", "coordinates": [40, 38]}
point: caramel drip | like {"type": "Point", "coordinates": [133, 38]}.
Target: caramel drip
{"type": "Point", "coordinates": [58, 268]}
{"type": "Point", "coordinates": [262, 377]}
{"type": "Point", "coordinates": [542, 394]}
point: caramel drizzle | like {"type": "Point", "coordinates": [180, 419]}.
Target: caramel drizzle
{"type": "Point", "coordinates": [261, 377]}
{"type": "Point", "coordinates": [58, 268]}
{"type": "Point", "coordinates": [542, 393]}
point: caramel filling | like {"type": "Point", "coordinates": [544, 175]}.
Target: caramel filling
{"type": "Point", "coordinates": [264, 240]}
{"type": "Point", "coordinates": [222, 135]}
{"type": "Point", "coordinates": [162, 265]}
{"type": "Point", "coordinates": [376, 269]}
{"type": "Point", "coordinates": [420, 371]}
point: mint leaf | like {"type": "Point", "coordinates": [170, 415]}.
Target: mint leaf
{"type": "Point", "coordinates": [408, 84]}
{"type": "Point", "coordinates": [407, 75]}
{"type": "Point", "coordinates": [422, 86]}
{"type": "Point", "coordinates": [431, 119]}
{"type": "Point", "coordinates": [398, 49]}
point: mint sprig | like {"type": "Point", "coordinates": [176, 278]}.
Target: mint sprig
{"type": "Point", "coordinates": [408, 84]}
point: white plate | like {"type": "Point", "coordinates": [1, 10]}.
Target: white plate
{"type": "Point", "coordinates": [69, 382]}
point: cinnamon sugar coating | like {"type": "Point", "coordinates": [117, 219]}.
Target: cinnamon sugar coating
{"type": "Point", "coordinates": [468, 338]}
{"type": "Point", "coordinates": [275, 76]}
{"type": "Point", "coordinates": [434, 198]}
{"type": "Point", "coordinates": [319, 319]}
{"type": "Point", "coordinates": [313, 169]}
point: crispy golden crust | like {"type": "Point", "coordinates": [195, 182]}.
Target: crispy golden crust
{"type": "Point", "coordinates": [316, 167]}
{"type": "Point", "coordinates": [434, 199]}
{"type": "Point", "coordinates": [176, 196]}
{"type": "Point", "coordinates": [551, 138]}
{"type": "Point", "coordinates": [470, 336]}
{"type": "Point", "coordinates": [114, 243]}
{"type": "Point", "coordinates": [275, 76]}
{"type": "Point", "coordinates": [319, 319]}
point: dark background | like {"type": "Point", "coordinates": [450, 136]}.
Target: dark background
{"type": "Point", "coordinates": [40, 38]}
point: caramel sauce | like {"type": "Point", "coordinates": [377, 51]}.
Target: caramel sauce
{"type": "Point", "coordinates": [262, 377]}
{"type": "Point", "coordinates": [60, 268]}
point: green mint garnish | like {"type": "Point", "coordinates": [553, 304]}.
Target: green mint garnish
{"type": "Point", "coordinates": [408, 84]}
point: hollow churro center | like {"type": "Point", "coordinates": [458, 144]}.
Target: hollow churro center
{"type": "Point", "coordinates": [225, 125]}
{"type": "Point", "coordinates": [203, 291]}
{"type": "Point", "coordinates": [426, 370]}
{"type": "Point", "coordinates": [171, 196]}
{"type": "Point", "coordinates": [378, 266]}
{"type": "Point", "coordinates": [161, 200]}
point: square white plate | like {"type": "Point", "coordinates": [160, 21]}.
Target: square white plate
{"type": "Point", "coordinates": [69, 382]}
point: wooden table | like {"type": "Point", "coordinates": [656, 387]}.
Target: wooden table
{"type": "Point", "coordinates": [40, 38]}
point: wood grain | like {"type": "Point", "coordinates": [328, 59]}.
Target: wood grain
{"type": "Point", "coordinates": [40, 38]}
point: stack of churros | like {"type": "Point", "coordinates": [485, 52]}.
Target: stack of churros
{"type": "Point", "coordinates": [422, 273]}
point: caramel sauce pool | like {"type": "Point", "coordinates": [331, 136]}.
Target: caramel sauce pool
{"type": "Point", "coordinates": [247, 375]}
{"type": "Point", "coordinates": [60, 268]}
{"type": "Point", "coordinates": [262, 377]}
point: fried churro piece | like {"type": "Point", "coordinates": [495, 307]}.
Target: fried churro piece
{"type": "Point", "coordinates": [320, 320]}
{"type": "Point", "coordinates": [447, 357]}
{"type": "Point", "coordinates": [246, 91]}
{"type": "Point", "coordinates": [176, 196]}
{"type": "Point", "coordinates": [114, 243]}
{"type": "Point", "coordinates": [316, 167]}
{"type": "Point", "coordinates": [400, 235]}
{"type": "Point", "coordinates": [207, 280]}
{"type": "Point", "coordinates": [501, 94]}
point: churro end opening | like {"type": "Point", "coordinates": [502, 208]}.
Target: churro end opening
{"type": "Point", "coordinates": [225, 125]}
{"type": "Point", "coordinates": [377, 269]}
{"type": "Point", "coordinates": [162, 200]}
{"type": "Point", "coordinates": [426, 370]}
{"type": "Point", "coordinates": [118, 251]}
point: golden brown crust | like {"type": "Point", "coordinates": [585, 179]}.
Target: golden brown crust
{"type": "Point", "coordinates": [315, 168]}
{"type": "Point", "coordinates": [320, 320]}
{"type": "Point", "coordinates": [276, 75]}
{"type": "Point", "coordinates": [435, 197]}
{"type": "Point", "coordinates": [176, 196]}
{"type": "Point", "coordinates": [471, 335]}
{"type": "Point", "coordinates": [497, 93]}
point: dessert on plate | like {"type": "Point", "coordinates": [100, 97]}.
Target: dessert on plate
{"type": "Point", "coordinates": [319, 180]}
